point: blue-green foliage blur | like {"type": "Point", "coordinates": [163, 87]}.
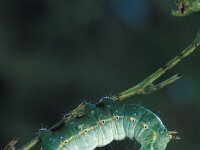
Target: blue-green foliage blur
{"type": "Point", "coordinates": [55, 54]}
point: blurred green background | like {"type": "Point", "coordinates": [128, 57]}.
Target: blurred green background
{"type": "Point", "coordinates": [55, 54]}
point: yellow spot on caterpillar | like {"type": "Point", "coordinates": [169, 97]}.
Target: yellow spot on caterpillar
{"type": "Point", "coordinates": [131, 119]}
{"type": "Point", "coordinates": [100, 122]}
{"type": "Point", "coordinates": [63, 144]}
{"type": "Point", "coordinates": [145, 126]}
{"type": "Point", "coordinates": [154, 136]}
{"type": "Point", "coordinates": [170, 136]}
{"type": "Point", "coordinates": [115, 117]}
{"type": "Point", "coordinates": [83, 132]}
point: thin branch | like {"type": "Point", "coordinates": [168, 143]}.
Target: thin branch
{"type": "Point", "coordinates": [140, 88]}
{"type": "Point", "coordinates": [11, 144]}
{"type": "Point", "coordinates": [153, 88]}
{"type": "Point", "coordinates": [31, 144]}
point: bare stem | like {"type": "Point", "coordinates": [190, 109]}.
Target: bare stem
{"type": "Point", "coordinates": [31, 144]}
{"type": "Point", "coordinates": [147, 83]}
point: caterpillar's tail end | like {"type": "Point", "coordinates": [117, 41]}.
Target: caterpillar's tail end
{"type": "Point", "coordinates": [173, 135]}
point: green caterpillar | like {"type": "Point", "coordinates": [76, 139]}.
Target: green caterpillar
{"type": "Point", "coordinates": [98, 125]}
{"type": "Point", "coordinates": [186, 7]}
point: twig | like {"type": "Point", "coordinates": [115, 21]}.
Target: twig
{"type": "Point", "coordinates": [11, 144]}
{"type": "Point", "coordinates": [31, 144]}
{"type": "Point", "coordinates": [147, 83]}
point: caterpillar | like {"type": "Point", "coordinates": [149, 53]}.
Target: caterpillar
{"type": "Point", "coordinates": [98, 125]}
{"type": "Point", "coordinates": [186, 7]}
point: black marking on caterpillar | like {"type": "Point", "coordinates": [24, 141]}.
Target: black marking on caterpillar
{"type": "Point", "coordinates": [100, 126]}
{"type": "Point", "coordinates": [100, 104]}
{"type": "Point", "coordinates": [54, 129]}
{"type": "Point", "coordinates": [78, 117]}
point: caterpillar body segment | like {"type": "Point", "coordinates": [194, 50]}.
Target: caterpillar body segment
{"type": "Point", "coordinates": [104, 122]}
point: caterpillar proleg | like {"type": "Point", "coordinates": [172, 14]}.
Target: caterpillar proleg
{"type": "Point", "coordinates": [109, 120]}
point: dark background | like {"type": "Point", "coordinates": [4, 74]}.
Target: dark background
{"type": "Point", "coordinates": [55, 54]}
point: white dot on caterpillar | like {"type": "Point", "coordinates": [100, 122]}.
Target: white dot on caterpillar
{"type": "Point", "coordinates": [80, 126]}
{"type": "Point", "coordinates": [92, 112]}
{"type": "Point", "coordinates": [72, 123]}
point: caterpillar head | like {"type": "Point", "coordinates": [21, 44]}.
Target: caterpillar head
{"type": "Point", "coordinates": [163, 138]}
{"type": "Point", "coordinates": [186, 7]}
{"type": "Point", "coordinates": [159, 140]}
